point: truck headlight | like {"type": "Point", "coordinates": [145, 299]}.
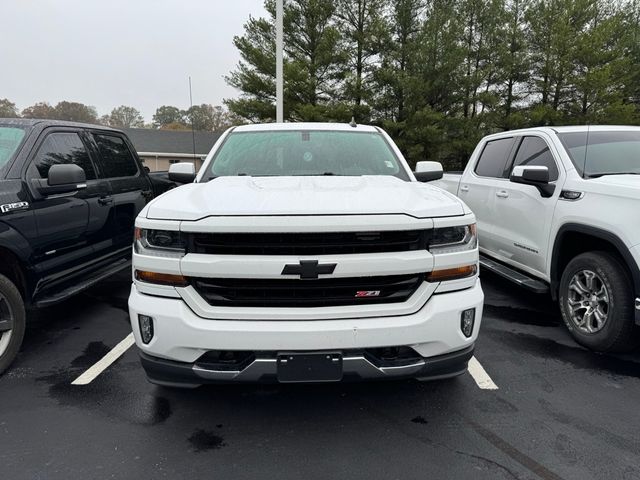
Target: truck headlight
{"type": "Point", "coordinates": [453, 239]}
{"type": "Point", "coordinates": [163, 243]}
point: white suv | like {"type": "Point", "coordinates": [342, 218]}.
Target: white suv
{"type": "Point", "coordinates": [305, 252]}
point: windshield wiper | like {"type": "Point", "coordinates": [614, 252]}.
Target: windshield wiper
{"type": "Point", "coordinates": [598, 175]}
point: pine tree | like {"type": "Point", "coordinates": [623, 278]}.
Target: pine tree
{"type": "Point", "coordinates": [361, 28]}
{"type": "Point", "coordinates": [313, 64]}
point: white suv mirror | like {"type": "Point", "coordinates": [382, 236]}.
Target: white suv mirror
{"type": "Point", "coordinates": [183, 172]}
{"type": "Point", "coordinates": [428, 171]}
{"type": "Point", "coordinates": [534, 175]}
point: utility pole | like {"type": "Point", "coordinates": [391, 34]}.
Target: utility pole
{"type": "Point", "coordinates": [279, 65]}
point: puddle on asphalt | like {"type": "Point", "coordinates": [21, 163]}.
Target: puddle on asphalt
{"type": "Point", "coordinates": [523, 315]}
{"type": "Point", "coordinates": [203, 440]}
{"type": "Point", "coordinates": [108, 394]}
{"type": "Point", "coordinates": [574, 355]}
{"type": "Point", "coordinates": [91, 354]}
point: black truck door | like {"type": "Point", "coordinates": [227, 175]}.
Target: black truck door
{"type": "Point", "coordinates": [61, 246]}
{"type": "Point", "coordinates": [130, 187]}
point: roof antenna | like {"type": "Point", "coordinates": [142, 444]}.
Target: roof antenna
{"type": "Point", "coordinates": [586, 148]}
{"type": "Point", "coordinates": [353, 123]}
{"type": "Point", "coordinates": [193, 133]}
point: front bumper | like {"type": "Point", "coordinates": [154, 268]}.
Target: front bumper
{"type": "Point", "coordinates": [264, 370]}
{"type": "Point", "coordinates": [181, 337]}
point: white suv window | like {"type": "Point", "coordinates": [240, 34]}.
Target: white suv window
{"type": "Point", "coordinates": [494, 157]}
{"type": "Point", "coordinates": [534, 151]}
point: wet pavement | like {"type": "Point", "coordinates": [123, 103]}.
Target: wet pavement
{"type": "Point", "coordinates": [560, 411]}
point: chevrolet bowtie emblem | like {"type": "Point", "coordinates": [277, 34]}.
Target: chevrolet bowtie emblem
{"type": "Point", "coordinates": [309, 269]}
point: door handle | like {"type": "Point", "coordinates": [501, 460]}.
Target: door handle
{"type": "Point", "coordinates": [105, 201]}
{"type": "Point", "coordinates": [502, 194]}
{"type": "Point", "coordinates": [464, 188]}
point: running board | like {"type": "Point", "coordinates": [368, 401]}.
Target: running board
{"type": "Point", "coordinates": [91, 281]}
{"type": "Point", "coordinates": [514, 276]}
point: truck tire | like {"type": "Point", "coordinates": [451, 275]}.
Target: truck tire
{"type": "Point", "coordinates": [596, 302]}
{"type": "Point", "coordinates": [11, 308]}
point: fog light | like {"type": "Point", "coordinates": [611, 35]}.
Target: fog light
{"type": "Point", "coordinates": [146, 328]}
{"type": "Point", "coordinates": [467, 320]}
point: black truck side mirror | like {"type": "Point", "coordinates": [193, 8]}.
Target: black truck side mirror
{"type": "Point", "coordinates": [63, 178]}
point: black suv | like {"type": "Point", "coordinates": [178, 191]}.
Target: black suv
{"type": "Point", "coordinates": [69, 195]}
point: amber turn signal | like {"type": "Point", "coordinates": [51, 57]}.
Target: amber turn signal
{"type": "Point", "coordinates": [161, 278]}
{"type": "Point", "coordinates": [452, 273]}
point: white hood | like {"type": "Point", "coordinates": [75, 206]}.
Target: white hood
{"type": "Point", "coordinates": [625, 186]}
{"type": "Point", "coordinates": [262, 196]}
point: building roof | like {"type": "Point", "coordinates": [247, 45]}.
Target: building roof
{"type": "Point", "coordinates": [171, 141]}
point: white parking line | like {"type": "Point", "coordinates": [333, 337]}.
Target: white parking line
{"type": "Point", "coordinates": [480, 376]}
{"type": "Point", "coordinates": [91, 374]}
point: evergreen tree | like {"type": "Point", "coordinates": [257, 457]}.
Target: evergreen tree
{"type": "Point", "coordinates": [313, 64]}
{"type": "Point", "coordinates": [361, 27]}
{"type": "Point", "coordinates": [513, 62]}
{"type": "Point", "coordinates": [402, 24]}
{"type": "Point", "coordinates": [439, 74]}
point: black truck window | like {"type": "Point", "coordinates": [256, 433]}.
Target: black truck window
{"type": "Point", "coordinates": [62, 148]}
{"type": "Point", "coordinates": [117, 159]}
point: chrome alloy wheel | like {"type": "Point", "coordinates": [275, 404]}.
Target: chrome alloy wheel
{"type": "Point", "coordinates": [5, 314]}
{"type": "Point", "coordinates": [588, 301]}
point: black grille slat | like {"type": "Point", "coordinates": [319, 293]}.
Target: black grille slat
{"type": "Point", "coordinates": [322, 292]}
{"type": "Point", "coordinates": [325, 243]}
{"type": "Point", "coordinates": [249, 284]}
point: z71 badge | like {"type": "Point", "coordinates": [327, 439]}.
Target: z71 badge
{"type": "Point", "coordinates": [10, 207]}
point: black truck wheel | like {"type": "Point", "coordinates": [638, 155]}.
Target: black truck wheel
{"type": "Point", "coordinates": [12, 322]}
{"type": "Point", "coordinates": [596, 302]}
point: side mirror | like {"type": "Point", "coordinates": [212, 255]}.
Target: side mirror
{"type": "Point", "coordinates": [62, 178]}
{"type": "Point", "coordinates": [536, 176]}
{"type": "Point", "coordinates": [428, 171]}
{"type": "Point", "coordinates": [183, 172]}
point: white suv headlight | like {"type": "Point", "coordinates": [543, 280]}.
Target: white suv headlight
{"type": "Point", "coordinates": [453, 239]}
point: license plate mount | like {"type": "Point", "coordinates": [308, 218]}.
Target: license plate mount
{"type": "Point", "coordinates": [309, 367]}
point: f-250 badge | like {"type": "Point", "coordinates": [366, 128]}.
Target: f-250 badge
{"type": "Point", "coordinates": [10, 207]}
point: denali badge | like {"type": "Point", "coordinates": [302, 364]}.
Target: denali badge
{"type": "Point", "coordinates": [367, 293]}
{"type": "Point", "coordinates": [8, 207]}
{"type": "Point", "coordinates": [309, 269]}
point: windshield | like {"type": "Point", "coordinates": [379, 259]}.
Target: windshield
{"type": "Point", "coordinates": [606, 153]}
{"type": "Point", "coordinates": [10, 139]}
{"type": "Point", "coordinates": [305, 153]}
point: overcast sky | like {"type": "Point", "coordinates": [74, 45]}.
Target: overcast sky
{"type": "Point", "coordinates": [108, 53]}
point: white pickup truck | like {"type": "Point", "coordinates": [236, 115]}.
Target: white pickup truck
{"type": "Point", "coordinates": [305, 252]}
{"type": "Point", "coordinates": [558, 210]}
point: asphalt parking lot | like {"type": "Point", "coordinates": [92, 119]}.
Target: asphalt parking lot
{"type": "Point", "coordinates": [559, 410]}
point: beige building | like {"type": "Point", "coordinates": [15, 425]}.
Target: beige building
{"type": "Point", "coordinates": [160, 148]}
